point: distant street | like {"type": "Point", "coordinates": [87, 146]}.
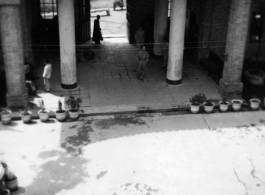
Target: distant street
{"type": "Point", "coordinates": [151, 154]}
{"type": "Point", "coordinates": [115, 24]}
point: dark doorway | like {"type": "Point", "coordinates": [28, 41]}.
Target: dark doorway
{"type": "Point", "coordinates": [191, 35]}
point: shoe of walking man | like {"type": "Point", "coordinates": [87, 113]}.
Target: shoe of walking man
{"type": "Point", "coordinates": [47, 73]}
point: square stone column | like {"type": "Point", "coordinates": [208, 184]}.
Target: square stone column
{"type": "Point", "coordinates": [67, 43]}
{"type": "Point", "coordinates": [176, 41]}
{"type": "Point", "coordinates": [11, 37]}
{"type": "Point", "coordinates": [231, 85]}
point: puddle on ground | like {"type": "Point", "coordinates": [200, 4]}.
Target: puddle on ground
{"type": "Point", "coordinates": [121, 121]}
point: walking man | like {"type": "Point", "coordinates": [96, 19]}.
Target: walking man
{"type": "Point", "coordinates": [47, 75]}
{"type": "Point", "coordinates": [142, 58]}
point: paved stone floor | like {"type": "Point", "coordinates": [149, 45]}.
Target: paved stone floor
{"type": "Point", "coordinates": [153, 154]}
{"type": "Point", "coordinates": [109, 82]}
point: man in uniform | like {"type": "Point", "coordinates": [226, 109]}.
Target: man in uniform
{"type": "Point", "coordinates": [142, 58]}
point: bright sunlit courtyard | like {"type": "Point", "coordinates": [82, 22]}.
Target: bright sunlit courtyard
{"type": "Point", "coordinates": [126, 155]}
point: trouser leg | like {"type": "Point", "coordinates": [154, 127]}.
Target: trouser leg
{"type": "Point", "coordinates": [139, 68]}
{"type": "Point", "coordinates": [47, 84]}
{"type": "Point", "coordinates": [141, 72]}
{"type": "Point", "coordinates": [48, 88]}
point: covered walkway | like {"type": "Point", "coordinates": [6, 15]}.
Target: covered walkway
{"type": "Point", "coordinates": [109, 82]}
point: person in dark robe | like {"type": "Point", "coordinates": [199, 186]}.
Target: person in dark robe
{"type": "Point", "coordinates": [97, 36]}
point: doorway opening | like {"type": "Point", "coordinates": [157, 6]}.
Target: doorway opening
{"type": "Point", "coordinates": [112, 21]}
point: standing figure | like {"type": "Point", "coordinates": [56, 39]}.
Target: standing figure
{"type": "Point", "coordinates": [47, 73]}
{"type": "Point", "coordinates": [142, 58]}
{"type": "Point", "coordinates": [139, 37]}
{"type": "Point", "coordinates": [97, 36]}
{"type": "Point", "coordinates": [165, 53]}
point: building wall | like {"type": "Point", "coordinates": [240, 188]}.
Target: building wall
{"type": "Point", "coordinates": [205, 23]}
{"type": "Point", "coordinates": [46, 31]}
{"type": "Point", "coordinates": [82, 21]}
{"type": "Point", "coordinates": [214, 19]}
{"type": "Point", "coordinates": [213, 16]}
{"type": "Point", "coordinates": [140, 13]}
{"type": "Point", "coordinates": [255, 51]}
{"type": "Point", "coordinates": [219, 27]}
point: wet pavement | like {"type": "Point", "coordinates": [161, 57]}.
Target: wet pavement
{"type": "Point", "coordinates": [149, 154]}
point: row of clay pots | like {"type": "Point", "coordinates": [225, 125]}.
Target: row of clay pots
{"type": "Point", "coordinates": [196, 108]}
{"type": "Point", "coordinates": [60, 114]}
{"type": "Point", "coordinates": [223, 106]}
{"type": "Point", "coordinates": [254, 104]}
{"type": "Point", "coordinates": [6, 116]}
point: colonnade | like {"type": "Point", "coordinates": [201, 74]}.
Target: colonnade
{"type": "Point", "coordinates": [12, 45]}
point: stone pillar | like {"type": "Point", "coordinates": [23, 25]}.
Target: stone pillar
{"type": "Point", "coordinates": [67, 43]}
{"type": "Point", "coordinates": [231, 85]}
{"type": "Point", "coordinates": [160, 27]}
{"type": "Point", "coordinates": [176, 41]}
{"type": "Point", "coordinates": [26, 17]}
{"type": "Point", "coordinates": [11, 37]}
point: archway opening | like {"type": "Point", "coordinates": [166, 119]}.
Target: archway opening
{"type": "Point", "coordinates": [112, 17]}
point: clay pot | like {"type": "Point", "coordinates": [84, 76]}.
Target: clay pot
{"type": "Point", "coordinates": [26, 118]}
{"type": "Point", "coordinates": [60, 115]}
{"type": "Point", "coordinates": [44, 116]}
{"type": "Point", "coordinates": [254, 103]}
{"type": "Point", "coordinates": [194, 108]}
{"type": "Point", "coordinates": [12, 185]}
{"type": "Point", "coordinates": [74, 114]}
{"type": "Point", "coordinates": [236, 104]}
{"type": "Point", "coordinates": [208, 108]}
{"type": "Point", "coordinates": [254, 76]}
{"type": "Point", "coordinates": [4, 192]}
{"type": "Point", "coordinates": [223, 106]}
{"type": "Point", "coordinates": [6, 117]}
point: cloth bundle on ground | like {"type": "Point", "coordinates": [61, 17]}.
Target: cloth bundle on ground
{"type": "Point", "coordinates": [31, 88]}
